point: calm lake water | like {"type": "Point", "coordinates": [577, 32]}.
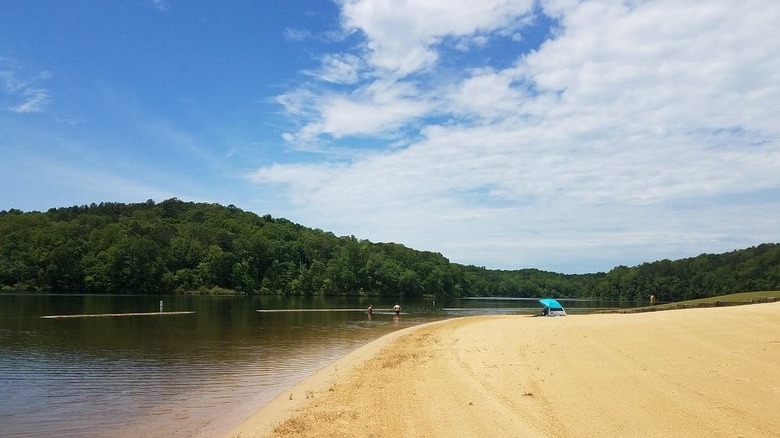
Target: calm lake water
{"type": "Point", "coordinates": [183, 375]}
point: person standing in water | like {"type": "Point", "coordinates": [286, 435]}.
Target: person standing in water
{"type": "Point", "coordinates": [397, 309]}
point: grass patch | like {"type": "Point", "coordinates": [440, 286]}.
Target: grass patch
{"type": "Point", "coordinates": [721, 300]}
{"type": "Point", "coordinates": [739, 298]}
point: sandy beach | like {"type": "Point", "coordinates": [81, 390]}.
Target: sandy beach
{"type": "Point", "coordinates": [689, 373]}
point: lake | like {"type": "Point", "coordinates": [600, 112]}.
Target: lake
{"type": "Point", "coordinates": [192, 374]}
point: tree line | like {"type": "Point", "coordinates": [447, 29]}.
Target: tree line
{"type": "Point", "coordinates": [186, 247]}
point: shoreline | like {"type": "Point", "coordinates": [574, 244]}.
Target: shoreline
{"type": "Point", "coordinates": [263, 421]}
{"type": "Point", "coordinates": [694, 372]}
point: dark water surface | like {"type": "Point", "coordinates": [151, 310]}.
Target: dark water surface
{"type": "Point", "coordinates": [181, 375]}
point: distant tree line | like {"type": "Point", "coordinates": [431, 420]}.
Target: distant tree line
{"type": "Point", "coordinates": [184, 247]}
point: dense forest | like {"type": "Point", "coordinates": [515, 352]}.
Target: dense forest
{"type": "Point", "coordinates": [185, 247]}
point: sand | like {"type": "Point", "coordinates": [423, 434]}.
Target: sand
{"type": "Point", "coordinates": [688, 373]}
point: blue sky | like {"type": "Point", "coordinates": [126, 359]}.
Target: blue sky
{"type": "Point", "coordinates": [564, 135]}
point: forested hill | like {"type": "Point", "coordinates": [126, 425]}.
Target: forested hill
{"type": "Point", "coordinates": [182, 247]}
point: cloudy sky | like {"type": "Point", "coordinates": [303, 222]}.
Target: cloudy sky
{"type": "Point", "coordinates": [565, 135]}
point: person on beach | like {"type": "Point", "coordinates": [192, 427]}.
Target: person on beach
{"type": "Point", "coordinates": [397, 309]}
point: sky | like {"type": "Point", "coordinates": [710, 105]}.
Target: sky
{"type": "Point", "coordinates": [564, 135]}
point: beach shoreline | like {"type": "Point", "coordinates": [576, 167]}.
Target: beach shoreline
{"type": "Point", "coordinates": [694, 372]}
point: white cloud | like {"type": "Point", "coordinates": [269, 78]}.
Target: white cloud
{"type": "Point", "coordinates": [11, 83]}
{"type": "Point", "coordinates": [314, 176]}
{"type": "Point", "coordinates": [35, 100]}
{"type": "Point", "coordinates": [33, 97]}
{"type": "Point", "coordinates": [641, 127]}
{"type": "Point", "coordinates": [379, 108]}
{"type": "Point", "coordinates": [374, 109]}
{"type": "Point", "coordinates": [339, 69]}
{"type": "Point", "coordinates": [400, 40]}
{"type": "Point", "coordinates": [296, 34]}
{"type": "Point", "coordinates": [488, 94]}
{"type": "Point", "coordinates": [401, 35]}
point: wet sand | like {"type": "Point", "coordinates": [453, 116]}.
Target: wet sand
{"type": "Point", "coordinates": [696, 373]}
